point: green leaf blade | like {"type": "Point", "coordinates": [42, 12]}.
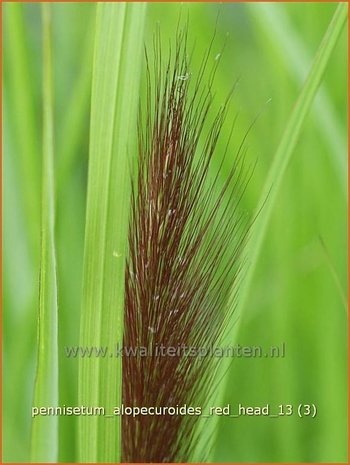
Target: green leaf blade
{"type": "Point", "coordinates": [290, 138]}
{"type": "Point", "coordinates": [45, 428]}
{"type": "Point", "coordinates": [113, 112]}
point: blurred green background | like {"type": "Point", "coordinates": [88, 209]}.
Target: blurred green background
{"type": "Point", "coordinates": [299, 286]}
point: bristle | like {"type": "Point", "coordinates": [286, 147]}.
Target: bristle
{"type": "Point", "coordinates": [186, 238]}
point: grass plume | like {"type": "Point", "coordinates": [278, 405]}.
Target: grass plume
{"type": "Point", "coordinates": [180, 268]}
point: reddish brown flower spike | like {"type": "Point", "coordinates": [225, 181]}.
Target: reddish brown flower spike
{"type": "Point", "coordinates": [180, 271]}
